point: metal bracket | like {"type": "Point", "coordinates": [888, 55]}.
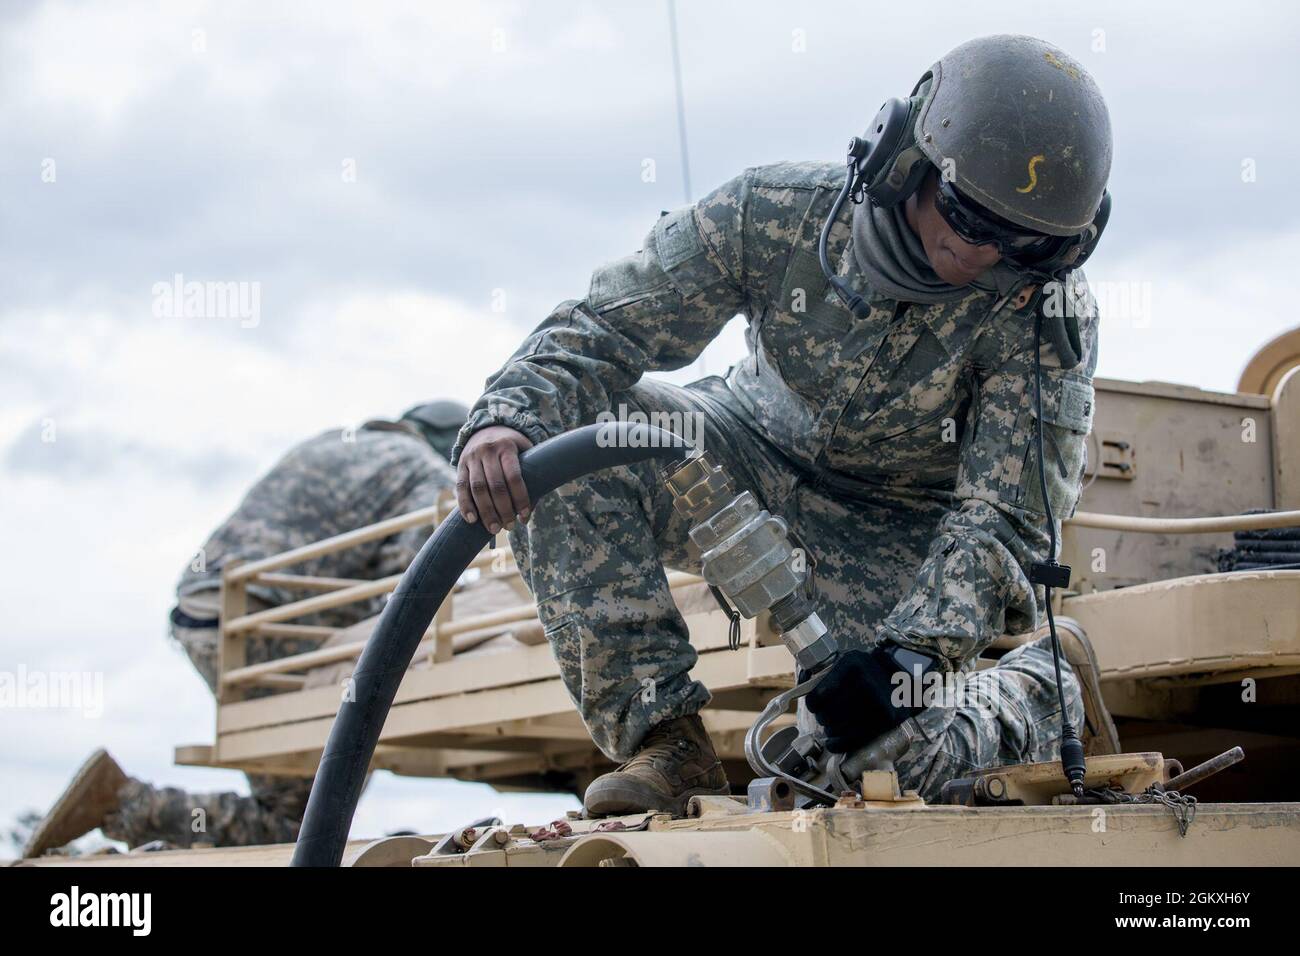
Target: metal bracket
{"type": "Point", "coordinates": [770, 795]}
{"type": "Point", "coordinates": [1116, 457]}
{"type": "Point", "coordinates": [462, 839]}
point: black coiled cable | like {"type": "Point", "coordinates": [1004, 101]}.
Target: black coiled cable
{"type": "Point", "coordinates": [1044, 572]}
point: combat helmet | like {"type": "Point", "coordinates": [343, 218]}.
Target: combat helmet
{"type": "Point", "coordinates": [438, 422]}
{"type": "Point", "coordinates": [1020, 128]}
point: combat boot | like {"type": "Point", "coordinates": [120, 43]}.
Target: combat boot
{"type": "Point", "coordinates": [93, 794]}
{"type": "Point", "coordinates": [1098, 734]}
{"type": "Point", "coordinates": [676, 762]}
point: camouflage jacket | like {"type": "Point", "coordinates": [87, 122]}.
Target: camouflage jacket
{"type": "Point", "coordinates": [935, 399]}
{"type": "Point", "coordinates": [325, 486]}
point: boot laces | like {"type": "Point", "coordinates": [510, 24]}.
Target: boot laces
{"type": "Point", "coordinates": [661, 749]}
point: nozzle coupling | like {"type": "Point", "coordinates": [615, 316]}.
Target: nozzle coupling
{"type": "Point", "coordinates": [746, 553]}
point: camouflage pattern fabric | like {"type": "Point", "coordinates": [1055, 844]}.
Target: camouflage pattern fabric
{"type": "Point", "coordinates": [594, 554]}
{"type": "Point", "coordinates": [1007, 714]}
{"type": "Point", "coordinates": [272, 811]}
{"type": "Point", "coordinates": [899, 445]}
{"type": "Point", "coordinates": [274, 807]}
{"type": "Point", "coordinates": [200, 644]}
{"type": "Point", "coordinates": [329, 484]}
{"type": "Point", "coordinates": [271, 814]}
{"type": "Point", "coordinates": [336, 482]}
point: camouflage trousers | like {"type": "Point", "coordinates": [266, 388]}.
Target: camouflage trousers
{"type": "Point", "coordinates": [274, 808]}
{"type": "Point", "coordinates": [271, 813]}
{"type": "Point", "coordinates": [594, 554]}
{"type": "Point", "coordinates": [1007, 714]}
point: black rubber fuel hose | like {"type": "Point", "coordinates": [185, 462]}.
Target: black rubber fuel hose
{"type": "Point", "coordinates": [405, 619]}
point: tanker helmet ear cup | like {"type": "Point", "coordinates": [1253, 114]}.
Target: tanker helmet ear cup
{"type": "Point", "coordinates": [1093, 234]}
{"type": "Point", "coordinates": [1069, 253]}
{"type": "Point", "coordinates": [878, 144]}
{"type": "Point", "coordinates": [888, 165]}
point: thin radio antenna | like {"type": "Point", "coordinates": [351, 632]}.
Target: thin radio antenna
{"type": "Point", "coordinates": [681, 100]}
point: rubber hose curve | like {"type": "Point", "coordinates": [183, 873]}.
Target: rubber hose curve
{"type": "Point", "coordinates": [350, 747]}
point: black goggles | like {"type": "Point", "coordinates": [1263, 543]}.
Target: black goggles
{"type": "Point", "coordinates": [980, 227]}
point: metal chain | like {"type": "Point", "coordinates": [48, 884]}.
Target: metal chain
{"type": "Point", "coordinates": [1183, 806]}
{"type": "Point", "coordinates": [733, 631]}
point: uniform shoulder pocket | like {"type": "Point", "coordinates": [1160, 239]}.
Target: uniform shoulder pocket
{"type": "Point", "coordinates": [683, 256]}
{"type": "Point", "coordinates": [673, 264]}
{"type": "Point", "coordinates": [625, 281]}
{"type": "Point", "coordinates": [1069, 401]}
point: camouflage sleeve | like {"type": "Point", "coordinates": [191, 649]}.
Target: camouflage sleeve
{"type": "Point", "coordinates": [974, 584]}
{"type": "Point", "coordinates": [651, 311]}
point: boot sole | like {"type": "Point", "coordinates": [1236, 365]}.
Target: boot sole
{"type": "Point", "coordinates": [615, 799]}
{"type": "Point", "coordinates": [55, 829]}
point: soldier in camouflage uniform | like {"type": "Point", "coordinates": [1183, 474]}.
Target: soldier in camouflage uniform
{"type": "Point", "coordinates": [332, 483]}
{"type": "Point", "coordinates": [335, 482]}
{"type": "Point", "coordinates": [897, 443]}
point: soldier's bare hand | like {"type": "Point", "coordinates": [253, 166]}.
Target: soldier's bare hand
{"type": "Point", "coordinates": [489, 485]}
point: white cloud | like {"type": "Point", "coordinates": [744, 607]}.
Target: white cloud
{"type": "Point", "coordinates": [199, 383]}
{"type": "Point", "coordinates": [1213, 304]}
{"type": "Point", "coordinates": [103, 543]}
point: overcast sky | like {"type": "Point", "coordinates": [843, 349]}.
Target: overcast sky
{"type": "Point", "coordinates": [412, 187]}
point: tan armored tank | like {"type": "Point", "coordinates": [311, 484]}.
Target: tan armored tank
{"type": "Point", "coordinates": [1196, 661]}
